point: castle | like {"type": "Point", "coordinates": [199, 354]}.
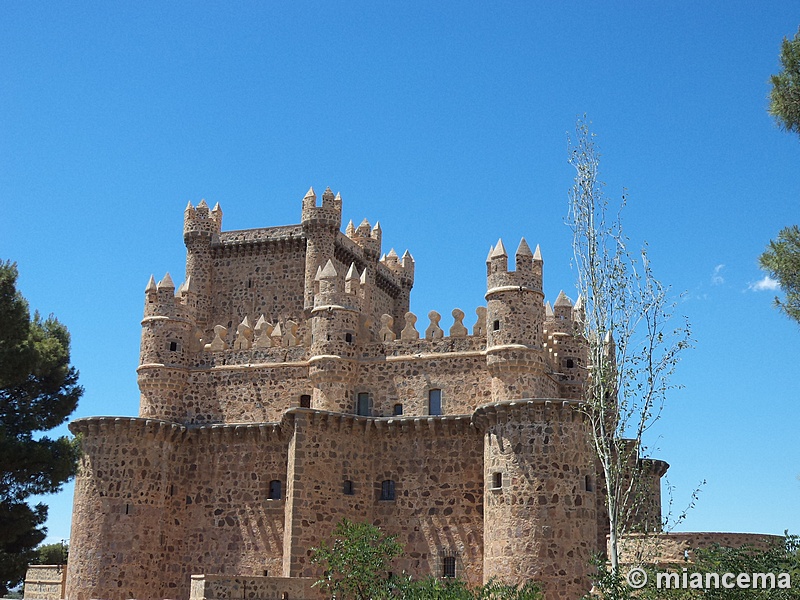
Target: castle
{"type": "Point", "coordinates": [285, 385]}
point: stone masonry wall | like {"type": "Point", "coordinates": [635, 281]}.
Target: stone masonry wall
{"type": "Point", "coordinates": [45, 582]}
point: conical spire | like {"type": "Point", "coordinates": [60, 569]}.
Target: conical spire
{"type": "Point", "coordinates": [523, 249]}
{"type": "Point", "coordinates": [537, 254]}
{"type": "Point", "coordinates": [327, 194]}
{"type": "Point", "coordinates": [151, 285]}
{"type": "Point", "coordinates": [499, 250]}
{"type": "Point", "coordinates": [548, 311]}
{"type": "Point", "coordinates": [350, 231]}
{"type": "Point", "coordinates": [329, 272]}
{"type": "Point", "coordinates": [489, 256]}
{"type": "Point", "coordinates": [202, 204]}
{"type": "Point", "coordinates": [563, 300]}
{"type": "Point", "coordinates": [352, 273]}
{"type": "Point", "coordinates": [166, 283]}
{"type": "Point", "coordinates": [189, 206]}
{"type": "Point", "coordinates": [310, 193]}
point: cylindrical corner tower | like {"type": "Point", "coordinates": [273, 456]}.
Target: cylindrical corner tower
{"type": "Point", "coordinates": [539, 506]}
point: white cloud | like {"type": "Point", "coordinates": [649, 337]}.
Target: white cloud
{"type": "Point", "coordinates": [768, 283]}
{"type": "Point", "coordinates": [716, 276]}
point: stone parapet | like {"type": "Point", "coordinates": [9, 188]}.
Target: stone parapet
{"type": "Point", "coordinates": [45, 582]}
{"type": "Point", "coordinates": [672, 548]}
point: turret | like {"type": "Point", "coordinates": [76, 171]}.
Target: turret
{"type": "Point", "coordinates": [368, 238]}
{"type": "Point", "coordinates": [320, 226]}
{"type": "Point", "coordinates": [514, 319]}
{"type": "Point", "coordinates": [168, 341]}
{"type": "Point", "coordinates": [201, 228]}
{"type": "Point", "coordinates": [334, 339]}
{"type": "Point", "coordinates": [539, 499]}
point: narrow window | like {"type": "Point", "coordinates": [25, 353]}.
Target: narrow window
{"type": "Point", "coordinates": [589, 483]}
{"type": "Point", "coordinates": [449, 566]}
{"type": "Point", "coordinates": [127, 507]}
{"type": "Point", "coordinates": [496, 325]}
{"type": "Point", "coordinates": [173, 346]}
{"type": "Point", "coordinates": [285, 596]}
{"type": "Point", "coordinates": [275, 490]}
{"type": "Point", "coordinates": [348, 488]}
{"type": "Point", "coordinates": [348, 337]}
{"type": "Point", "coordinates": [387, 489]}
{"type": "Point", "coordinates": [398, 410]}
{"type": "Point", "coordinates": [570, 363]}
{"type": "Point", "coordinates": [435, 402]}
{"type": "Point", "coordinates": [305, 401]}
{"type": "Point", "coordinates": [497, 481]}
{"type": "Point", "coordinates": [266, 572]}
{"type": "Point", "coordinates": [362, 405]}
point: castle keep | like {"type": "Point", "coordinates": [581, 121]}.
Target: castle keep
{"type": "Point", "coordinates": [285, 385]}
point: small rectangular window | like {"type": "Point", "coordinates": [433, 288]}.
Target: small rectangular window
{"type": "Point", "coordinates": [449, 566]}
{"type": "Point", "coordinates": [398, 410]}
{"type": "Point", "coordinates": [497, 481]}
{"type": "Point", "coordinates": [362, 405]}
{"type": "Point", "coordinates": [435, 402]}
{"type": "Point", "coordinates": [305, 401]}
{"type": "Point", "coordinates": [387, 489]}
{"type": "Point", "coordinates": [275, 490]}
{"type": "Point", "coordinates": [496, 325]}
{"type": "Point", "coordinates": [348, 489]}
{"type": "Point", "coordinates": [173, 346]}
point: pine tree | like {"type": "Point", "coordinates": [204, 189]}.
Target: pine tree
{"type": "Point", "coordinates": [38, 391]}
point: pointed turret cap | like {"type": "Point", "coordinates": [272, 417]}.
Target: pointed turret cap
{"type": "Point", "coordinates": [499, 250]}
{"type": "Point", "coordinates": [352, 272]}
{"type": "Point", "coordinates": [246, 322]}
{"type": "Point", "coordinates": [537, 254]}
{"type": "Point", "coordinates": [327, 194]}
{"type": "Point", "coordinates": [579, 303]}
{"type": "Point", "coordinates": [166, 283]}
{"type": "Point", "coordinates": [407, 256]}
{"type": "Point", "coordinates": [189, 206]}
{"type": "Point", "coordinates": [151, 285]}
{"type": "Point", "coordinates": [523, 249]}
{"type": "Point", "coordinates": [216, 208]}
{"type": "Point", "coordinates": [202, 204]}
{"type": "Point", "coordinates": [338, 197]}
{"type": "Point", "coordinates": [548, 311]}
{"type": "Point", "coordinates": [489, 256]}
{"type": "Point", "coordinates": [350, 230]}
{"type": "Point", "coordinates": [562, 300]}
{"type": "Point", "coordinates": [377, 227]}
{"type": "Point", "coordinates": [392, 254]}
{"type": "Point", "coordinates": [310, 193]}
{"type": "Point", "coordinates": [363, 278]}
{"type": "Point", "coordinates": [329, 272]}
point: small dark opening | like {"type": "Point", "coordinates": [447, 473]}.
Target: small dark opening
{"type": "Point", "coordinates": [398, 410]}
{"type": "Point", "coordinates": [387, 489]}
{"type": "Point", "coordinates": [127, 507]}
{"type": "Point", "coordinates": [496, 325]}
{"type": "Point", "coordinates": [348, 488]}
{"type": "Point", "coordinates": [570, 363]}
{"type": "Point", "coordinates": [435, 402]}
{"type": "Point", "coordinates": [173, 346]}
{"type": "Point", "coordinates": [589, 484]}
{"type": "Point", "coordinates": [348, 337]}
{"type": "Point", "coordinates": [362, 404]}
{"type": "Point", "coordinates": [305, 401]}
{"type": "Point", "coordinates": [274, 490]}
{"type": "Point", "coordinates": [449, 566]}
{"type": "Point", "coordinates": [266, 573]}
{"type": "Point", "coordinates": [497, 480]}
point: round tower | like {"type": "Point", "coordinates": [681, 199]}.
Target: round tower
{"type": "Point", "coordinates": [201, 227]}
{"type": "Point", "coordinates": [334, 330]}
{"type": "Point", "coordinates": [169, 338]}
{"type": "Point", "coordinates": [320, 224]}
{"type": "Point", "coordinates": [539, 499]}
{"type": "Point", "coordinates": [514, 320]}
{"type": "Point", "coordinates": [125, 542]}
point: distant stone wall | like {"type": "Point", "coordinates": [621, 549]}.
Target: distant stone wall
{"type": "Point", "coordinates": [220, 587]}
{"type": "Point", "coordinates": [45, 582]}
{"type": "Point", "coordinates": [667, 548]}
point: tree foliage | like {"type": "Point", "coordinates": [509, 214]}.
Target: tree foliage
{"type": "Point", "coordinates": [38, 391]}
{"type": "Point", "coordinates": [632, 349]}
{"type": "Point", "coordinates": [357, 567]}
{"type": "Point", "coordinates": [52, 554]}
{"type": "Point", "coordinates": [782, 261]}
{"type": "Point", "coordinates": [784, 98]}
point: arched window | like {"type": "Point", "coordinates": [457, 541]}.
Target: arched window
{"type": "Point", "coordinates": [348, 488]}
{"type": "Point", "coordinates": [387, 489]}
{"type": "Point", "coordinates": [275, 490]}
{"type": "Point", "coordinates": [435, 402]}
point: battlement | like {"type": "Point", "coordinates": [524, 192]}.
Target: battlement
{"type": "Point", "coordinates": [200, 221]}
{"type": "Point", "coordinates": [329, 214]}
{"type": "Point", "coordinates": [526, 276]}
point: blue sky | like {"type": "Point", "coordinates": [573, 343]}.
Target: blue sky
{"type": "Point", "coordinates": [448, 122]}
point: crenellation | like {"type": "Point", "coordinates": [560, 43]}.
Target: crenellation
{"type": "Point", "coordinates": [285, 385]}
